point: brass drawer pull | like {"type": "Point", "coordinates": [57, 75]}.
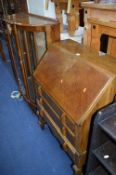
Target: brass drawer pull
{"type": "Point", "coordinates": [64, 131]}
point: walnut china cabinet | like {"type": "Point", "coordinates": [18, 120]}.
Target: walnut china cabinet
{"type": "Point", "coordinates": [29, 36]}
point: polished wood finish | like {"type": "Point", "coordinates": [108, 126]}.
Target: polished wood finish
{"type": "Point", "coordinates": [73, 82]}
{"type": "Point", "coordinates": [35, 23]}
{"type": "Point", "coordinates": [32, 35]}
{"type": "Point", "coordinates": [98, 28]}
{"type": "Point", "coordinates": [28, 19]}
{"type": "Point", "coordinates": [60, 77]}
{"type": "Point", "coordinates": [97, 24]}
{"type": "Point", "coordinates": [104, 61]}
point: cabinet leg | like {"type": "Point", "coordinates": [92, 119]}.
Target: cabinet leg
{"type": "Point", "coordinates": [65, 147]}
{"type": "Point", "coordinates": [42, 120]}
{"type": "Point", "coordinates": [42, 123]}
{"type": "Point", "coordinates": [77, 171]}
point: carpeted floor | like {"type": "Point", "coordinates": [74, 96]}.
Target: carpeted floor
{"type": "Point", "coordinates": [25, 149]}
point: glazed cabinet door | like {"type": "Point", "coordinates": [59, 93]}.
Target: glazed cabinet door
{"type": "Point", "coordinates": [31, 47]}
{"type": "Point", "coordinates": [27, 48]}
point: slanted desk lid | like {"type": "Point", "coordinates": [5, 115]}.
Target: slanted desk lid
{"type": "Point", "coordinates": [72, 82]}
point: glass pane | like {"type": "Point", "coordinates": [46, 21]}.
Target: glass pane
{"type": "Point", "coordinates": [40, 43]}
{"type": "Point", "coordinates": [17, 63]}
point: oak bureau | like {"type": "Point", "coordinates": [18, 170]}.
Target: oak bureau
{"type": "Point", "coordinates": [73, 82]}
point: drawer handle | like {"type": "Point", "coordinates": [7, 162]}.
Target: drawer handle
{"type": "Point", "coordinates": [94, 27]}
{"type": "Point", "coordinates": [64, 131]}
{"type": "Point", "coordinates": [73, 6]}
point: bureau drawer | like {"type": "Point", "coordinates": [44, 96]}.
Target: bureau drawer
{"type": "Point", "coordinates": [56, 116]}
{"type": "Point", "coordinates": [70, 137]}
{"type": "Point", "coordinates": [65, 140]}
{"type": "Point", "coordinates": [67, 122]}
{"type": "Point", "coordinates": [44, 101]}
{"type": "Point", "coordinates": [70, 124]}
{"type": "Point", "coordinates": [53, 105]}
{"type": "Point", "coordinates": [52, 113]}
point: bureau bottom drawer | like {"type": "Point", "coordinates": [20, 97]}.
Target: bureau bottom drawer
{"type": "Point", "coordinates": [68, 148]}
{"type": "Point", "coordinates": [63, 132]}
{"type": "Point", "coordinates": [56, 132]}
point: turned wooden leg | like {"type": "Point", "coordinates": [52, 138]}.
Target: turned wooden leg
{"type": "Point", "coordinates": [79, 163]}
{"type": "Point", "coordinates": [77, 171]}
{"type": "Point", "coordinates": [42, 120]}
{"type": "Point", "coordinates": [65, 147]}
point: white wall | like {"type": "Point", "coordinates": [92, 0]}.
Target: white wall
{"type": "Point", "coordinates": [51, 10]}
{"type": "Point", "coordinates": [38, 7]}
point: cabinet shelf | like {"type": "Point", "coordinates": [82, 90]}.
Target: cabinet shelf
{"type": "Point", "coordinates": [99, 171]}
{"type": "Point", "coordinates": [109, 126]}
{"type": "Point", "coordinates": [102, 152]}
{"type": "Point", "coordinates": [106, 154]}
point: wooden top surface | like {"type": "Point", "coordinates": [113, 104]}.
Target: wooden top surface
{"type": "Point", "coordinates": [24, 19]}
{"type": "Point", "coordinates": [102, 6]}
{"type": "Point", "coordinates": [103, 22]}
{"type": "Point", "coordinates": [72, 82]}
{"type": "Point", "coordinates": [105, 61]}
